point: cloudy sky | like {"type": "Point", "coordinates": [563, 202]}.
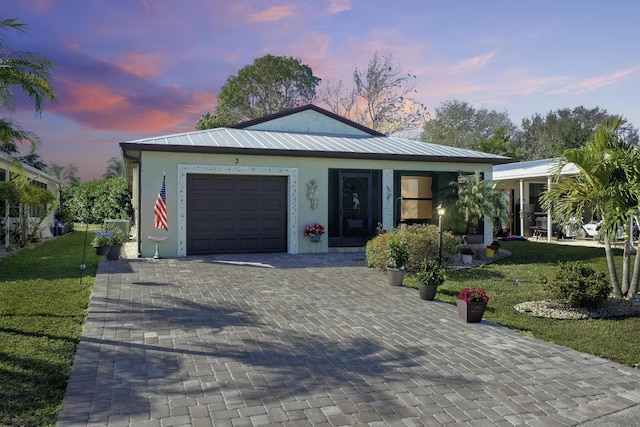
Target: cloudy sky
{"type": "Point", "coordinates": [130, 69]}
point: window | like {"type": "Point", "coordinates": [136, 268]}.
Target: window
{"type": "Point", "coordinates": [417, 198]}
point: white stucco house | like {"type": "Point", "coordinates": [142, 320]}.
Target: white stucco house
{"type": "Point", "coordinates": [9, 219]}
{"type": "Point", "coordinates": [253, 186]}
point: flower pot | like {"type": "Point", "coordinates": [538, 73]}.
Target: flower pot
{"type": "Point", "coordinates": [315, 238]}
{"type": "Point", "coordinates": [472, 311]}
{"type": "Point", "coordinates": [396, 276]}
{"type": "Point", "coordinates": [114, 252]}
{"type": "Point", "coordinates": [467, 259]}
{"type": "Point", "coordinates": [427, 292]}
{"type": "Point", "coordinates": [101, 250]}
{"type": "Point", "coordinates": [490, 253]}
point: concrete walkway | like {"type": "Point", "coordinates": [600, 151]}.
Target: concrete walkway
{"type": "Point", "coordinates": [316, 340]}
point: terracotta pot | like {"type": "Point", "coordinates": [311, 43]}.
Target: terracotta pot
{"type": "Point", "coordinates": [470, 312]}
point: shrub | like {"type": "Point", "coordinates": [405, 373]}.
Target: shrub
{"type": "Point", "coordinates": [422, 242]}
{"type": "Point", "coordinates": [579, 285]}
{"type": "Point", "coordinates": [397, 252]}
{"type": "Point", "coordinates": [430, 274]}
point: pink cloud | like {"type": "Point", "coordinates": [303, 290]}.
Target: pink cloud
{"type": "Point", "coordinates": [142, 65]}
{"type": "Point", "coordinates": [472, 64]}
{"type": "Point", "coordinates": [337, 6]}
{"type": "Point", "coordinates": [594, 83]}
{"type": "Point", "coordinates": [99, 107]}
{"type": "Point", "coordinates": [274, 13]}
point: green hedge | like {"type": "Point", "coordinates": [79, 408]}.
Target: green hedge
{"type": "Point", "coordinates": [422, 240]}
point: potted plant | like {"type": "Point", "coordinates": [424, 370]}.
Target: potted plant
{"type": "Point", "coordinates": [492, 249]}
{"type": "Point", "coordinates": [430, 276]}
{"type": "Point", "coordinates": [471, 304]}
{"type": "Point", "coordinates": [101, 242]}
{"type": "Point", "coordinates": [397, 257]}
{"type": "Point", "coordinates": [314, 231]}
{"type": "Point", "coordinates": [116, 240]}
{"type": "Point", "coordinates": [467, 255]}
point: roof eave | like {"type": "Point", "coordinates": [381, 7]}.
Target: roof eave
{"type": "Point", "coordinates": [137, 147]}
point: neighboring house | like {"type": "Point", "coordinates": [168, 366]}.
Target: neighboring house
{"type": "Point", "coordinates": [524, 182]}
{"type": "Point", "coordinates": [9, 219]}
{"type": "Point", "coordinates": [253, 186]}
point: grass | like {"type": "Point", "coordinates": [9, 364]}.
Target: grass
{"type": "Point", "coordinates": [616, 339]}
{"type": "Point", "coordinates": [43, 307]}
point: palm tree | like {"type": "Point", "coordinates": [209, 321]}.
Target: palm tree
{"type": "Point", "coordinates": [115, 168]}
{"type": "Point", "coordinates": [608, 184]}
{"type": "Point", "coordinates": [28, 71]}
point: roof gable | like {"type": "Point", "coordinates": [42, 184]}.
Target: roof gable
{"type": "Point", "coordinates": [309, 119]}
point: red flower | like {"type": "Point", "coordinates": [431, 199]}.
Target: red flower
{"type": "Point", "coordinates": [473, 295]}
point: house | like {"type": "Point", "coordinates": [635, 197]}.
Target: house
{"type": "Point", "coordinates": [524, 182]}
{"type": "Point", "coordinates": [253, 186]}
{"type": "Point", "coordinates": [10, 217]}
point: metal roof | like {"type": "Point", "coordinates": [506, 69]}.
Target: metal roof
{"type": "Point", "coordinates": [531, 169]}
{"type": "Point", "coordinates": [238, 141]}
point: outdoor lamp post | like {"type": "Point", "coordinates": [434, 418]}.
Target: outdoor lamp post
{"type": "Point", "coordinates": [440, 211]}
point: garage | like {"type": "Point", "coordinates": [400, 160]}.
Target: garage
{"type": "Point", "coordinates": [236, 214]}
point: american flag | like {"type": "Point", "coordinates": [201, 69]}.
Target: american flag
{"type": "Point", "coordinates": [160, 209]}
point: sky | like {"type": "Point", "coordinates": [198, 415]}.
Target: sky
{"type": "Point", "coordinates": [132, 69]}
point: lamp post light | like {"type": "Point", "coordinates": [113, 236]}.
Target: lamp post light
{"type": "Point", "coordinates": [441, 212]}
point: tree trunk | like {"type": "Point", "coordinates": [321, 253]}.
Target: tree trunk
{"type": "Point", "coordinates": [633, 286]}
{"type": "Point", "coordinates": [626, 267]}
{"type": "Point", "coordinates": [611, 264]}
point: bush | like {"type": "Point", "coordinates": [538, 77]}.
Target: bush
{"type": "Point", "coordinates": [579, 285]}
{"type": "Point", "coordinates": [430, 274]}
{"type": "Point", "coordinates": [422, 242]}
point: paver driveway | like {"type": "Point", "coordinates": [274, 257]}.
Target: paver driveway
{"type": "Point", "coordinates": [305, 340]}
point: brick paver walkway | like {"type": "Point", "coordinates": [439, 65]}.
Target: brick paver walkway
{"type": "Point", "coordinates": [314, 340]}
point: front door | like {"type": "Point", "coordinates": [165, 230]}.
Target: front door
{"type": "Point", "coordinates": [355, 208]}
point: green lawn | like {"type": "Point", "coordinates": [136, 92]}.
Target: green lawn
{"type": "Point", "coordinates": [43, 304]}
{"type": "Point", "coordinates": [617, 339]}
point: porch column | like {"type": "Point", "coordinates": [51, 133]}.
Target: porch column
{"type": "Point", "coordinates": [387, 199]}
{"type": "Point", "coordinates": [521, 207]}
{"type": "Point", "coordinates": [549, 230]}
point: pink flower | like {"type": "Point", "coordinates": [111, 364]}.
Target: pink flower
{"type": "Point", "coordinates": [473, 295]}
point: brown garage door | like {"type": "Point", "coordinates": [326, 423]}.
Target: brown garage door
{"type": "Point", "coordinates": [236, 214]}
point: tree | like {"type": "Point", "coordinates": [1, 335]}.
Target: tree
{"type": "Point", "coordinates": [382, 97]}
{"type": "Point", "coordinates": [64, 173]}
{"type": "Point", "coordinates": [477, 199]}
{"type": "Point", "coordinates": [97, 200]}
{"type": "Point", "coordinates": [499, 144]}
{"type": "Point", "coordinates": [608, 184]}
{"type": "Point", "coordinates": [11, 132]}
{"type": "Point", "coordinates": [33, 160]}
{"type": "Point", "coordinates": [458, 124]}
{"type": "Point", "coordinates": [28, 71]}
{"type": "Point", "coordinates": [548, 136]}
{"type": "Point", "coordinates": [209, 121]}
{"type": "Point", "coordinates": [115, 168]}
{"type": "Point", "coordinates": [270, 85]}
